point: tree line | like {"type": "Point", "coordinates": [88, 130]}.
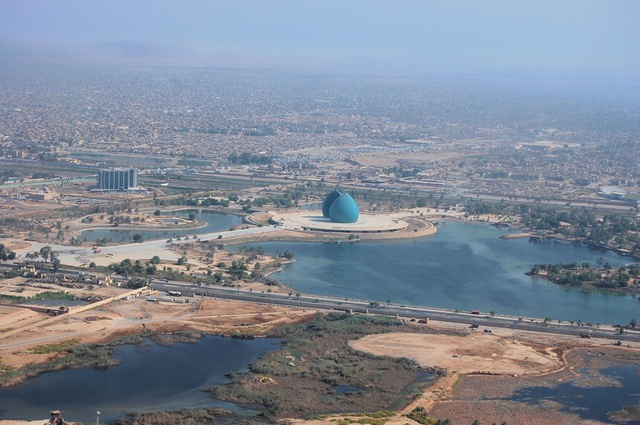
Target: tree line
{"type": "Point", "coordinates": [575, 274]}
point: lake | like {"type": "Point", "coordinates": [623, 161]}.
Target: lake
{"type": "Point", "coordinates": [150, 378]}
{"type": "Point", "coordinates": [464, 266]}
{"type": "Point", "coordinates": [216, 222]}
{"type": "Point", "coordinates": [591, 402]}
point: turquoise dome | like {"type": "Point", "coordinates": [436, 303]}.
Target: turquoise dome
{"type": "Point", "coordinates": [344, 209]}
{"type": "Point", "coordinates": [328, 200]}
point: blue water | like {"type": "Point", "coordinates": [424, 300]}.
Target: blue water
{"type": "Point", "coordinates": [150, 378]}
{"type": "Point", "coordinates": [464, 266]}
{"type": "Point", "coordinates": [57, 303]}
{"type": "Point", "coordinates": [215, 222]}
{"type": "Point", "coordinates": [591, 403]}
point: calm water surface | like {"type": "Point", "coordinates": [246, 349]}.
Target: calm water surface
{"type": "Point", "coordinates": [464, 266]}
{"type": "Point", "coordinates": [216, 222]}
{"type": "Point", "coordinates": [150, 378]}
{"type": "Point", "coordinates": [591, 403]}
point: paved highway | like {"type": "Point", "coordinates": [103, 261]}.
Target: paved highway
{"type": "Point", "coordinates": [410, 312]}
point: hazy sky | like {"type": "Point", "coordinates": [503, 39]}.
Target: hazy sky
{"type": "Point", "coordinates": [571, 39]}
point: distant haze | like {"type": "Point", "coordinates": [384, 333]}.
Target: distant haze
{"type": "Point", "coordinates": [594, 40]}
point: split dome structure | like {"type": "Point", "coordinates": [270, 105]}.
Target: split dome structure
{"type": "Point", "coordinates": [339, 215]}
{"type": "Point", "coordinates": [340, 207]}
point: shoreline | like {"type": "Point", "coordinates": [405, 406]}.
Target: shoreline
{"type": "Point", "coordinates": [222, 318]}
{"type": "Point", "coordinates": [77, 227]}
{"type": "Point", "coordinates": [293, 235]}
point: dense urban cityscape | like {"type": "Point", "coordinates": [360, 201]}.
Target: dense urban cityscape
{"type": "Point", "coordinates": [481, 138]}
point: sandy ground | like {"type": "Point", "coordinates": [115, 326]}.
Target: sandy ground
{"type": "Point", "coordinates": [40, 422]}
{"type": "Point", "coordinates": [477, 353]}
{"type": "Point", "coordinates": [101, 324]}
{"type": "Point", "coordinates": [506, 352]}
{"type": "Point", "coordinates": [505, 356]}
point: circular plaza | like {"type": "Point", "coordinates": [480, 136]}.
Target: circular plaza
{"type": "Point", "coordinates": [315, 221]}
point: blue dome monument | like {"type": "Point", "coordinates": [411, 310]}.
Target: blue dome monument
{"type": "Point", "coordinates": [340, 207]}
{"type": "Point", "coordinates": [328, 200]}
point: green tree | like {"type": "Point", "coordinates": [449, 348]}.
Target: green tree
{"type": "Point", "coordinates": [288, 255]}
{"type": "Point", "coordinates": [45, 252]}
{"type": "Point", "coordinates": [6, 254]}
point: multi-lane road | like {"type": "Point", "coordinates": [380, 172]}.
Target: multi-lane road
{"type": "Point", "coordinates": [77, 256]}
{"type": "Point", "coordinates": [323, 303]}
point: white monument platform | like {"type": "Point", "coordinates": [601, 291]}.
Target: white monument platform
{"type": "Point", "coordinates": [313, 220]}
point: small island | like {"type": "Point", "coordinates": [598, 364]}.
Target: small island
{"type": "Point", "coordinates": [622, 279]}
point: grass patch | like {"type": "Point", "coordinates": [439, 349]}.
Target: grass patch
{"type": "Point", "coordinates": [4, 368]}
{"type": "Point", "coordinates": [49, 295]}
{"type": "Point", "coordinates": [87, 355]}
{"type": "Point", "coordinates": [53, 348]}
{"type": "Point", "coordinates": [371, 418]}
{"type": "Point", "coordinates": [73, 356]}
{"type": "Point", "coordinates": [180, 417]}
{"type": "Point", "coordinates": [419, 414]}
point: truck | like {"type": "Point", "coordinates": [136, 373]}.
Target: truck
{"type": "Point", "coordinates": [59, 311]}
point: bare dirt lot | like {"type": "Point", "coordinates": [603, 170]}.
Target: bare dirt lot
{"type": "Point", "coordinates": [121, 317]}
{"type": "Point", "coordinates": [477, 353]}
